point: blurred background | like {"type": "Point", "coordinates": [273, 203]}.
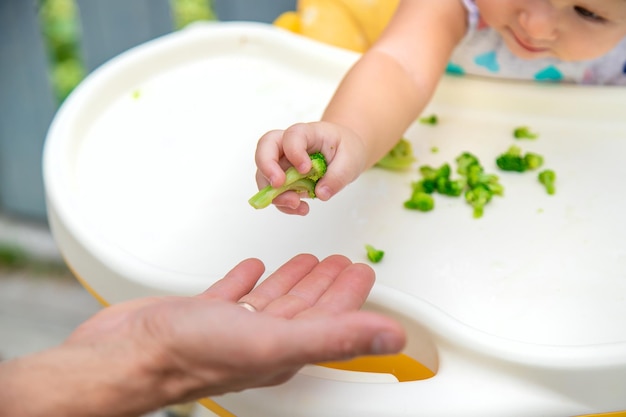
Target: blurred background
{"type": "Point", "coordinates": [46, 48]}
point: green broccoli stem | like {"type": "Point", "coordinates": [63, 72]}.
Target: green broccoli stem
{"type": "Point", "coordinates": [294, 181]}
{"type": "Point", "coordinates": [266, 195]}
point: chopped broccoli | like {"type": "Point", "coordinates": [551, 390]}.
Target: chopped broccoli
{"type": "Point", "coordinates": [399, 157]}
{"type": "Point", "coordinates": [511, 160]}
{"type": "Point", "coordinates": [533, 161]}
{"type": "Point", "coordinates": [464, 162]}
{"type": "Point", "coordinates": [547, 177]}
{"type": "Point", "coordinates": [373, 254]}
{"type": "Point", "coordinates": [294, 181]}
{"type": "Point", "coordinates": [482, 186]}
{"type": "Point", "coordinates": [477, 185]}
{"type": "Point", "coordinates": [452, 188]}
{"type": "Point", "coordinates": [429, 120]}
{"type": "Point", "coordinates": [514, 160]}
{"type": "Point", "coordinates": [420, 200]}
{"type": "Point", "coordinates": [524, 132]}
{"type": "Point", "coordinates": [430, 173]}
{"type": "Point", "coordinates": [426, 186]}
{"type": "Point", "coordinates": [434, 149]}
{"type": "Point", "coordinates": [478, 197]}
{"type": "Point", "coordinates": [438, 179]}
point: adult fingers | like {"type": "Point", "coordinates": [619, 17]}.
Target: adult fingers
{"type": "Point", "coordinates": [237, 282]}
{"type": "Point", "coordinates": [307, 292]}
{"type": "Point", "coordinates": [281, 281]}
{"type": "Point", "coordinates": [342, 337]}
{"type": "Point", "coordinates": [347, 292]}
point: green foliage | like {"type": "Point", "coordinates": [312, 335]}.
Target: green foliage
{"type": "Point", "coordinates": [189, 11]}
{"type": "Point", "coordinates": [61, 31]}
{"type": "Point", "coordinates": [12, 256]}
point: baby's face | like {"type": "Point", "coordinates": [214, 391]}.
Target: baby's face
{"type": "Point", "coordinates": [564, 29]}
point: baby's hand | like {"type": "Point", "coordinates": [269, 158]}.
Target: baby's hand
{"type": "Point", "coordinates": [279, 149]}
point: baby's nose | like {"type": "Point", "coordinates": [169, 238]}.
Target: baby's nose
{"type": "Point", "coordinates": [539, 22]}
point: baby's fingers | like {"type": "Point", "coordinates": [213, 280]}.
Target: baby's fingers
{"type": "Point", "coordinates": [268, 156]}
{"type": "Point", "coordinates": [346, 166]}
{"type": "Point", "coordinates": [290, 202]}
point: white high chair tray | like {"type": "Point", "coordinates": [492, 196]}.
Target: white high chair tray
{"type": "Point", "coordinates": [150, 163]}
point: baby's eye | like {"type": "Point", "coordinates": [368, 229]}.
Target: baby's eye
{"type": "Point", "coordinates": [587, 14]}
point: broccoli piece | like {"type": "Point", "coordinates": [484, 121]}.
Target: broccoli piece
{"type": "Point", "coordinates": [373, 254]}
{"type": "Point", "coordinates": [533, 160]}
{"type": "Point", "coordinates": [514, 160]}
{"type": "Point", "coordinates": [429, 120]}
{"type": "Point", "coordinates": [479, 187]}
{"type": "Point", "coordinates": [438, 179]}
{"type": "Point", "coordinates": [426, 186]}
{"type": "Point", "coordinates": [294, 181]}
{"type": "Point", "coordinates": [478, 197]}
{"type": "Point", "coordinates": [477, 176]}
{"type": "Point", "coordinates": [464, 162]}
{"type": "Point", "coordinates": [433, 174]}
{"type": "Point", "coordinates": [523, 132]}
{"type": "Point", "coordinates": [399, 157]}
{"type": "Point", "coordinates": [449, 187]}
{"type": "Point", "coordinates": [434, 149]}
{"type": "Point", "coordinates": [511, 160]}
{"type": "Point", "coordinates": [547, 177]}
{"type": "Point", "coordinates": [420, 201]}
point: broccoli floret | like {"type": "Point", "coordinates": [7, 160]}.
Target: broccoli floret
{"type": "Point", "coordinates": [464, 162]}
{"type": "Point", "coordinates": [452, 188]}
{"type": "Point", "coordinates": [478, 197]}
{"type": "Point", "coordinates": [533, 160]}
{"type": "Point", "coordinates": [511, 160]}
{"type": "Point", "coordinates": [514, 160]}
{"type": "Point", "coordinates": [373, 254]}
{"type": "Point", "coordinates": [294, 181]}
{"type": "Point", "coordinates": [429, 120]}
{"type": "Point", "coordinates": [477, 176]}
{"type": "Point", "coordinates": [399, 157]}
{"type": "Point", "coordinates": [438, 179]}
{"type": "Point", "coordinates": [479, 187]}
{"type": "Point", "coordinates": [430, 173]}
{"type": "Point", "coordinates": [426, 186]}
{"type": "Point", "coordinates": [547, 177]}
{"type": "Point", "coordinates": [421, 201]}
{"type": "Point", "coordinates": [523, 132]}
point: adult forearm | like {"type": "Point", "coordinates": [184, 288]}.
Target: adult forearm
{"type": "Point", "coordinates": [69, 381]}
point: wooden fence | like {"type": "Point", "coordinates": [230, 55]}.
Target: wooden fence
{"type": "Point", "coordinates": [27, 100]}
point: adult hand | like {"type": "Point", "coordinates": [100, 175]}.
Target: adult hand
{"type": "Point", "coordinates": [144, 354]}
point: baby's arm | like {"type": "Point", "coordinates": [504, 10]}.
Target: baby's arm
{"type": "Point", "coordinates": [374, 104]}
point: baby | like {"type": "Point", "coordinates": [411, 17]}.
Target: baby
{"type": "Point", "coordinates": [576, 41]}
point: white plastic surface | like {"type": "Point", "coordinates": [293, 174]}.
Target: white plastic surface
{"type": "Point", "coordinates": [149, 166]}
